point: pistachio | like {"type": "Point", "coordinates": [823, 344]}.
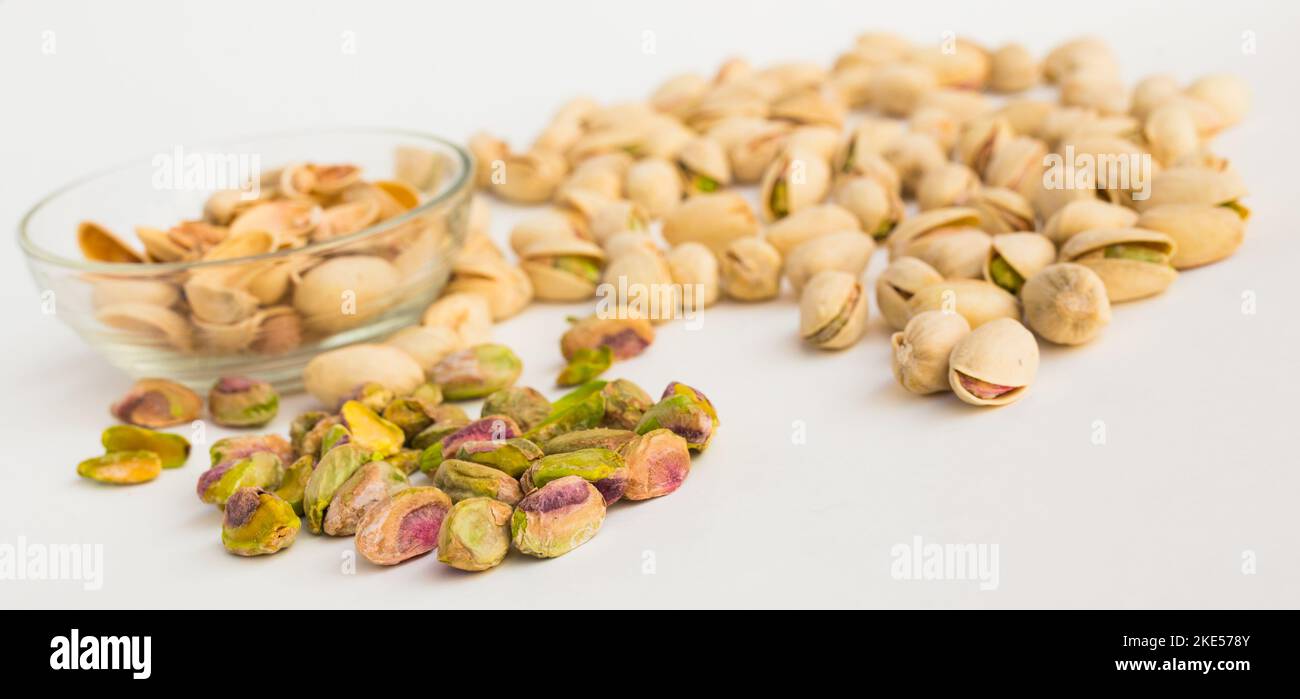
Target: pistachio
{"type": "Point", "coordinates": [631, 242]}
{"type": "Point", "coordinates": [1014, 257]}
{"type": "Point", "coordinates": [1195, 185]}
{"type": "Point", "coordinates": [751, 144]}
{"type": "Point", "coordinates": [975, 300]}
{"type": "Point", "coordinates": [234, 448]}
{"type": "Point", "coordinates": [511, 456]}
{"type": "Point", "coordinates": [262, 469]}
{"type": "Point", "coordinates": [921, 349]}
{"type": "Point", "coordinates": [368, 485]}
{"type": "Point", "coordinates": [654, 185]}
{"type": "Point", "coordinates": [155, 403]}
{"type": "Point", "coordinates": [785, 235]}
{"type": "Point", "coordinates": [301, 426]}
{"type": "Point", "coordinates": [446, 420]}
{"type": "Point", "coordinates": [1013, 69]}
{"type": "Point", "coordinates": [426, 344]}
{"type": "Point", "coordinates": [644, 288]}
{"type": "Point", "coordinates": [1171, 132]}
{"type": "Point", "coordinates": [336, 435]}
{"type": "Point", "coordinates": [563, 269]}
{"type": "Point", "coordinates": [685, 411]}
{"type": "Point", "coordinates": [797, 179]}
{"type": "Point", "coordinates": [598, 438]}
{"type": "Point", "coordinates": [861, 153]}
{"type": "Point", "coordinates": [345, 292]}
{"type": "Point", "coordinates": [937, 123]}
{"type": "Point", "coordinates": [580, 409]}
{"type": "Point", "coordinates": [703, 166]}
{"type": "Point", "coordinates": [957, 253]}
{"type": "Point", "coordinates": [979, 139]}
{"type": "Point", "coordinates": [477, 372]}
{"type": "Point", "coordinates": [1228, 94]}
{"type": "Point", "coordinates": [122, 467]}
{"type": "Point", "coordinates": [547, 224]}
{"type": "Point", "coordinates": [895, 286]}
{"type": "Point", "coordinates": [832, 310]}
{"type": "Point", "coordinates": [625, 337]}
{"type": "Point", "coordinates": [370, 431]}
{"type": "Point", "coordinates": [586, 365]}
{"type": "Point", "coordinates": [149, 324]}
{"type": "Point", "coordinates": [506, 287]}
{"type": "Point", "coordinates": [110, 292]}
{"type": "Point", "coordinates": [693, 266]}
{"type": "Point", "coordinates": [625, 404]}
{"type": "Point", "coordinates": [372, 394]}
{"type": "Point", "coordinates": [878, 208]}
{"type": "Point", "coordinates": [994, 364]}
{"type": "Point", "coordinates": [238, 401]}
{"type": "Point", "coordinates": [527, 178]}
{"type": "Point", "coordinates": [751, 270]}
{"type": "Point", "coordinates": [295, 480]}
{"type": "Point", "coordinates": [526, 406]}
{"type": "Point", "coordinates": [475, 534]}
{"type": "Point", "coordinates": [822, 140]}
{"type": "Point", "coordinates": [332, 375]}
{"type": "Point", "coordinates": [658, 462]}
{"type": "Point", "coordinates": [256, 523]}
{"type": "Point", "coordinates": [928, 223]}
{"type": "Point", "coordinates": [713, 219]}
{"type": "Point", "coordinates": [403, 526]}
{"type": "Point", "coordinates": [678, 94]}
{"type": "Point", "coordinates": [1085, 214]}
{"type": "Point", "coordinates": [1075, 54]}
{"type": "Point", "coordinates": [950, 184]}
{"type": "Point", "coordinates": [897, 87]}
{"type": "Point", "coordinates": [1095, 88]}
{"type": "Point", "coordinates": [1017, 165]}
{"type": "Point", "coordinates": [409, 415]}
{"type": "Point", "coordinates": [601, 467]}
{"type": "Point", "coordinates": [957, 63]}
{"type": "Point", "coordinates": [1066, 304]}
{"type": "Point", "coordinates": [1202, 234]}
{"type": "Point", "coordinates": [99, 244]}
{"type": "Point", "coordinates": [601, 175]}
{"type": "Point", "coordinates": [172, 449]}
{"type": "Point", "coordinates": [496, 428]}
{"type": "Point", "coordinates": [468, 316]}
{"type": "Point", "coordinates": [912, 155]}
{"type": "Point", "coordinates": [557, 518]}
{"type": "Point", "coordinates": [1133, 262]}
{"type": "Point", "coordinates": [335, 468]}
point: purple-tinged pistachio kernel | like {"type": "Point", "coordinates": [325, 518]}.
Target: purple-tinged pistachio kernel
{"type": "Point", "coordinates": [625, 404]}
{"type": "Point", "coordinates": [156, 403]}
{"type": "Point", "coordinates": [602, 468]}
{"type": "Point", "coordinates": [370, 484]}
{"type": "Point", "coordinates": [495, 428]}
{"type": "Point", "coordinates": [238, 401]}
{"type": "Point", "coordinates": [513, 456]}
{"type": "Point", "coordinates": [526, 406]}
{"type": "Point", "coordinates": [686, 412]}
{"type": "Point", "coordinates": [657, 463]}
{"type": "Point", "coordinates": [403, 526]}
{"type": "Point", "coordinates": [262, 469]}
{"type": "Point", "coordinates": [557, 518]}
{"type": "Point", "coordinates": [477, 372]}
{"type": "Point", "coordinates": [625, 337]}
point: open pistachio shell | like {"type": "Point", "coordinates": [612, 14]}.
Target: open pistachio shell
{"type": "Point", "coordinates": [713, 220]}
{"type": "Point", "coordinates": [870, 138]}
{"type": "Point", "coordinates": [929, 222]}
{"type": "Point", "coordinates": [654, 185]}
{"type": "Point", "coordinates": [1203, 234]}
{"type": "Point", "coordinates": [563, 269]}
{"type": "Point", "coordinates": [547, 224]}
{"type": "Point", "coordinates": [797, 179]}
{"type": "Point", "coordinates": [528, 178]}
{"type": "Point", "coordinates": [1086, 214]}
{"type": "Point", "coordinates": [978, 301]}
{"type": "Point", "coordinates": [957, 253]}
{"type": "Point", "coordinates": [1228, 94]}
{"type": "Point", "coordinates": [1066, 303]}
{"type": "Point", "coordinates": [898, 283]}
{"type": "Point", "coordinates": [750, 270]}
{"type": "Point", "coordinates": [912, 155]}
{"type": "Point", "coordinates": [1194, 185]}
{"type": "Point", "coordinates": [877, 207]}
{"type": "Point", "coordinates": [994, 364]}
{"type": "Point", "coordinates": [979, 139]}
{"type": "Point", "coordinates": [846, 251]}
{"type": "Point", "coordinates": [1017, 165]}
{"type": "Point", "coordinates": [149, 322]}
{"type": "Point", "coordinates": [785, 235]}
{"type": "Point", "coordinates": [1002, 210]}
{"type": "Point", "coordinates": [921, 349]}
{"type": "Point", "coordinates": [99, 244]}
{"type": "Point", "coordinates": [695, 268]}
{"type": "Point", "coordinates": [1015, 257]}
{"type": "Point", "coordinates": [832, 310]}
{"type": "Point", "coordinates": [1133, 262]}
{"type": "Point", "coordinates": [283, 221]}
{"type": "Point", "coordinates": [506, 287]}
{"type": "Point", "coordinates": [950, 184]}
{"type": "Point", "coordinates": [704, 166]}
{"type": "Point", "coordinates": [937, 123]}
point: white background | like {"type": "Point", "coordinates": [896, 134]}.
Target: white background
{"type": "Point", "coordinates": [1197, 398]}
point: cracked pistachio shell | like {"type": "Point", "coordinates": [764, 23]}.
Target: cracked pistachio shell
{"type": "Point", "coordinates": [370, 431]}
{"type": "Point", "coordinates": [911, 156]}
{"type": "Point", "coordinates": [979, 139]}
{"type": "Point", "coordinates": [371, 483]}
{"type": "Point", "coordinates": [641, 287]}
{"type": "Point", "coordinates": [1086, 214]}
{"type": "Point", "coordinates": [751, 144]}
{"type": "Point", "coordinates": [654, 185]}
{"type": "Point", "coordinates": [547, 224]}
{"type": "Point", "coordinates": [331, 376]}
{"type": "Point", "coordinates": [1017, 165]}
{"type": "Point", "coordinates": [703, 166]}
{"type": "Point", "coordinates": [295, 480]}
{"type": "Point", "coordinates": [496, 428]}
{"type": "Point", "coordinates": [563, 269]}
{"type": "Point", "coordinates": [785, 235]}
{"type": "Point", "coordinates": [601, 467]}
{"type": "Point", "coordinates": [714, 220]}
{"type": "Point", "coordinates": [526, 178]}
{"type": "Point", "coordinates": [1015, 257]}
{"type": "Point", "coordinates": [921, 349]}
{"type": "Point", "coordinates": [1100, 89]}
{"type": "Point", "coordinates": [832, 310]}
{"type": "Point", "coordinates": [630, 242]}
{"type": "Point", "coordinates": [557, 518]}
{"type": "Point", "coordinates": [1066, 303]}
{"type": "Point", "coordinates": [369, 283]}
{"type": "Point", "coordinates": [262, 469]}
{"type": "Point", "coordinates": [1152, 91]}
{"type": "Point", "coordinates": [468, 316]}
{"type": "Point", "coordinates": [1202, 234]}
{"type": "Point", "coordinates": [861, 152]}
{"type": "Point", "coordinates": [937, 123]}
{"type": "Point", "coordinates": [797, 179]}
{"type": "Point", "coordinates": [1171, 132]}
{"type": "Point", "coordinates": [957, 253]}
{"type": "Point", "coordinates": [822, 140]}
{"type": "Point", "coordinates": [678, 94]}
{"type": "Point", "coordinates": [526, 406]}
{"type": "Point", "coordinates": [99, 244]}
{"type": "Point", "coordinates": [600, 437]}
{"type": "Point", "coordinates": [695, 267]}
{"type": "Point", "coordinates": [506, 287]}
{"type": "Point", "coordinates": [477, 372]}
{"type": "Point", "coordinates": [993, 364]}
{"type": "Point", "coordinates": [404, 526]}
{"type": "Point", "coordinates": [155, 403]}
{"type": "Point", "coordinates": [878, 209]}
{"type": "Point", "coordinates": [950, 184]}
{"type": "Point", "coordinates": [122, 467]}
{"type": "Point", "coordinates": [846, 251]}
{"type": "Point", "coordinates": [1012, 68]}
{"type": "Point", "coordinates": [1026, 116]}
{"type": "Point", "coordinates": [172, 449]}
{"type": "Point", "coordinates": [475, 534]}
{"type": "Point", "coordinates": [626, 337]}
{"type": "Point", "coordinates": [815, 105]}
{"type": "Point", "coordinates": [897, 87]}
{"type": "Point", "coordinates": [511, 456]}
{"type": "Point", "coordinates": [959, 63]}
{"type": "Point", "coordinates": [426, 344]}
{"type": "Point", "coordinates": [975, 300]}
{"type": "Point", "coordinates": [1194, 185]}
{"type": "Point", "coordinates": [580, 409]}
{"type": "Point", "coordinates": [256, 523]}
{"type": "Point", "coordinates": [852, 80]}
{"type": "Point", "coordinates": [1002, 210]}
{"type": "Point", "coordinates": [1228, 94]}
{"type": "Point", "coordinates": [237, 401]}
{"type": "Point", "coordinates": [110, 292]}
{"type": "Point", "coordinates": [625, 404]}
{"type": "Point", "coordinates": [335, 468]}
{"type": "Point", "coordinates": [658, 462]}
{"type": "Point", "coordinates": [600, 174]}
{"type": "Point", "coordinates": [929, 223]}
{"type": "Point", "coordinates": [897, 283]}
{"type": "Point", "coordinates": [751, 270]}
{"type": "Point", "coordinates": [685, 411]}
{"type": "Point", "coordinates": [1133, 262]}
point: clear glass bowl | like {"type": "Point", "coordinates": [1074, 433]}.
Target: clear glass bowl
{"type": "Point", "coordinates": [263, 315]}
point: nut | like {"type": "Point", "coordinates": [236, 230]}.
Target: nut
{"type": "Point", "coordinates": [335, 468]}
{"type": "Point", "coordinates": [658, 462]}
{"type": "Point", "coordinates": [920, 358]}
{"type": "Point", "coordinates": [496, 428]}
{"type": "Point", "coordinates": [331, 376]}
{"type": "Point", "coordinates": [625, 404]}
{"type": "Point", "coordinates": [446, 420]}
{"type": "Point", "coordinates": [404, 526]}
{"type": "Point", "coordinates": [704, 166]}
{"type": "Point", "coordinates": [563, 269]}
{"type": "Point", "coordinates": [1202, 234]}
{"type": "Point", "coordinates": [557, 518]}
{"type": "Point", "coordinates": [234, 448]}
{"type": "Point", "coordinates": [369, 484]}
{"type": "Point", "coordinates": [804, 225]}
{"type": "Point", "coordinates": [832, 310]}
{"type": "Point", "coordinates": [466, 479]}
{"type": "Point", "coordinates": [1014, 257]}
{"type": "Point", "coordinates": [506, 288]}
{"type": "Point", "coordinates": [172, 449]}
{"type": "Point", "coordinates": [686, 412]}
{"type": "Point", "coordinates": [846, 251]}
{"type": "Point", "coordinates": [600, 437]}
{"type": "Point", "coordinates": [477, 372]}
{"type": "Point", "coordinates": [121, 467]}
{"type": "Point", "coordinates": [345, 292]}
{"type": "Point", "coordinates": [975, 300]}
{"type": "Point", "coordinates": [410, 415]}
{"type": "Point", "coordinates": [1013, 68]}
{"type": "Point", "coordinates": [256, 523]}
{"type": "Point", "coordinates": [526, 406]}
{"type": "Point", "coordinates": [261, 469]}
{"type": "Point", "coordinates": [1085, 214]}
{"type": "Point", "coordinates": [878, 208]}
{"type": "Point", "coordinates": [1066, 304]}
{"type": "Point", "coordinates": [155, 403]}
{"type": "Point", "coordinates": [994, 364]}
{"type": "Point", "coordinates": [238, 401]}
{"type": "Point", "coordinates": [586, 365]}
{"type": "Point", "coordinates": [369, 431]}
{"type": "Point", "coordinates": [601, 467]}
{"type": "Point", "coordinates": [898, 283]}
{"type": "Point", "coordinates": [625, 337]}
{"type": "Point", "coordinates": [712, 219]}
{"type": "Point", "coordinates": [751, 270]}
{"type": "Point", "coordinates": [581, 409]}
{"type": "Point", "coordinates": [797, 179]}
{"type": "Point", "coordinates": [950, 184]}
{"type": "Point", "coordinates": [511, 456]}
{"type": "Point", "coordinates": [1133, 262]}
{"type": "Point", "coordinates": [654, 185]}
{"type": "Point", "coordinates": [1195, 185]}
{"type": "Point", "coordinates": [694, 267]}
{"type": "Point", "coordinates": [475, 534]}
{"type": "Point", "coordinates": [294, 483]}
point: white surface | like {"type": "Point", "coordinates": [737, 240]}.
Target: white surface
{"type": "Point", "coordinates": [1197, 398]}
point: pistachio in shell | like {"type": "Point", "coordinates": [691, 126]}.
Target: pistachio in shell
{"type": "Point", "coordinates": [295, 480]}
{"type": "Point", "coordinates": [950, 184]}
{"type": "Point", "coordinates": [526, 406]}
{"type": "Point", "coordinates": [506, 287]}
{"type": "Point", "coordinates": [345, 292]}
{"type": "Point", "coordinates": [603, 468]}
{"type": "Point", "coordinates": [1014, 257]}
{"type": "Point", "coordinates": [368, 485]}
{"type": "Point", "coordinates": [370, 431]}
{"type": "Point", "coordinates": [262, 469]}
{"type": "Point", "coordinates": [877, 207]}
{"type": "Point", "coordinates": [898, 283]}
{"type": "Point", "coordinates": [788, 233]}
{"type": "Point", "coordinates": [557, 518]}
{"type": "Point", "coordinates": [750, 270]}
{"type": "Point", "coordinates": [403, 526]}
{"type": "Point", "coordinates": [600, 437]}
{"type": "Point", "coordinates": [426, 344]}
{"type": "Point", "coordinates": [1066, 303]}
{"type": "Point", "coordinates": [563, 269]}
{"type": "Point", "coordinates": [332, 376]}
{"type": "Point", "coordinates": [928, 223]}
{"type": "Point", "coordinates": [1133, 262]}
{"type": "Point", "coordinates": [1012, 68]}
{"type": "Point", "coordinates": [155, 403]}
{"type": "Point", "coordinates": [172, 449]}
{"type": "Point", "coordinates": [921, 349]}
{"type": "Point", "coordinates": [468, 316]}
{"type": "Point", "coordinates": [122, 467]}
{"type": "Point", "coordinates": [1195, 185]}
{"type": "Point", "coordinates": [625, 404]}
{"type": "Point", "coordinates": [1086, 214]}
{"type": "Point", "coordinates": [510, 456]}
{"type": "Point", "coordinates": [797, 179]}
{"type": "Point", "coordinates": [655, 185]}
{"type": "Point", "coordinates": [846, 251]}
{"type": "Point", "coordinates": [694, 267]}
{"type": "Point", "coordinates": [257, 523]}
{"type": "Point", "coordinates": [658, 462]}
{"type": "Point", "coordinates": [685, 411]}
{"type": "Point", "coordinates": [1202, 234]}
{"type": "Point", "coordinates": [994, 364]}
{"type": "Point", "coordinates": [975, 300]}
{"type": "Point", "coordinates": [477, 372]}
{"type": "Point", "coordinates": [238, 401]}
{"type": "Point", "coordinates": [832, 310]}
{"type": "Point", "coordinates": [704, 166]}
{"type": "Point", "coordinates": [1002, 210]}
{"type": "Point", "coordinates": [713, 220]}
{"type": "Point", "coordinates": [475, 534]}
{"type": "Point", "coordinates": [99, 244]}
{"type": "Point", "coordinates": [466, 479]}
{"type": "Point", "coordinates": [528, 178]}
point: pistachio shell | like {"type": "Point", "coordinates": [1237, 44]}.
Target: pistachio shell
{"type": "Point", "coordinates": [1085, 214]}
{"type": "Point", "coordinates": [212, 299]}
{"type": "Point", "coordinates": [847, 251]}
{"type": "Point", "coordinates": [148, 324]}
{"type": "Point", "coordinates": [344, 292]}
{"type": "Point", "coordinates": [822, 140]}
{"type": "Point", "coordinates": [751, 270]}
{"type": "Point", "coordinates": [958, 63]}
{"type": "Point", "coordinates": [1095, 88]}
{"type": "Point", "coordinates": [654, 185]}
{"type": "Point", "coordinates": [1025, 116]}
{"type": "Point", "coordinates": [1125, 279]}
{"type": "Point", "coordinates": [785, 235]}
{"type": "Point", "coordinates": [110, 292]}
{"type": "Point", "coordinates": [898, 283]}
{"type": "Point", "coordinates": [937, 123]}
{"type": "Point", "coordinates": [714, 220]}
{"type": "Point", "coordinates": [1002, 210]}
{"type": "Point", "coordinates": [601, 175]}
{"type": "Point", "coordinates": [912, 155]}
{"type": "Point", "coordinates": [1013, 68]}
{"type": "Point", "coordinates": [467, 316]}
{"type": "Point", "coordinates": [1228, 94]}
{"type": "Point", "coordinates": [426, 344]}
{"type": "Point", "coordinates": [1001, 354]}
{"type": "Point", "coordinates": [506, 287]}
{"type": "Point", "coordinates": [832, 310]}
{"type": "Point", "coordinates": [99, 244]}
{"type": "Point", "coordinates": [878, 208]}
{"type": "Point", "coordinates": [1023, 253]}
{"type": "Point", "coordinates": [628, 242]}
{"type": "Point", "coordinates": [921, 349]}
{"type": "Point", "coordinates": [897, 87]}
{"type": "Point", "coordinates": [814, 104]}
{"type": "Point", "coordinates": [1192, 185]}
{"type": "Point", "coordinates": [1202, 234]}
{"type": "Point", "coordinates": [528, 178]}
{"type": "Point", "coordinates": [695, 268]}
{"type": "Point", "coordinates": [1171, 132]}
{"type": "Point", "coordinates": [928, 223]}
{"type": "Point", "coordinates": [562, 269]}
{"type": "Point", "coordinates": [979, 139]}
{"type": "Point", "coordinates": [978, 301]}
{"type": "Point", "coordinates": [704, 166]}
{"type": "Point", "coordinates": [751, 145]}
{"type": "Point", "coordinates": [678, 94]}
{"type": "Point", "coordinates": [1066, 304]}
{"type": "Point", "coordinates": [872, 136]}
{"type": "Point", "coordinates": [283, 221]}
{"type": "Point", "coordinates": [1017, 165]}
{"type": "Point", "coordinates": [607, 217]}
{"type": "Point", "coordinates": [1077, 53]}
{"type": "Point", "coordinates": [957, 253]}
{"type": "Point", "coordinates": [797, 179]}
{"type": "Point", "coordinates": [331, 376]}
{"type": "Point", "coordinates": [951, 184]}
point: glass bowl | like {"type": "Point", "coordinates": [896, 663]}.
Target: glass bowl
{"type": "Point", "coordinates": [287, 260]}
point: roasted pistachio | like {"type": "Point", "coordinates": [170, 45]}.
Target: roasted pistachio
{"type": "Point", "coordinates": [658, 462]}
{"type": "Point", "coordinates": [121, 467]}
{"type": "Point", "coordinates": [511, 456]}
{"type": "Point", "coordinates": [1017, 165]}
{"type": "Point", "coordinates": [976, 300]}
{"type": "Point", "coordinates": [950, 184]}
{"type": "Point", "coordinates": [897, 87]}
{"type": "Point", "coordinates": [1066, 304]}
{"type": "Point", "coordinates": [655, 185]}
{"type": "Point", "coordinates": [694, 267]}
{"type": "Point", "coordinates": [528, 178]}
{"type": "Point", "coordinates": [409, 415]}
{"type": "Point", "coordinates": [336, 435]}
{"type": "Point", "coordinates": [467, 315]}
{"type": "Point", "coordinates": [785, 235]}
{"type": "Point", "coordinates": [751, 270]}
{"type": "Point", "coordinates": [600, 437]}
{"type": "Point", "coordinates": [1195, 185]}
{"type": "Point", "coordinates": [877, 207]}
{"type": "Point", "coordinates": [526, 406]}
{"type": "Point", "coordinates": [603, 468]}
{"type": "Point", "coordinates": [172, 449]}
{"type": "Point", "coordinates": [898, 283]}
{"type": "Point", "coordinates": [403, 526]}
{"type": "Point", "coordinates": [846, 251]}
{"type": "Point", "coordinates": [233, 448]}
{"type": "Point", "coordinates": [368, 485]}
{"type": "Point", "coordinates": [912, 155]}
{"type": "Point", "coordinates": [465, 479]}
{"type": "Point", "coordinates": [585, 365]}
{"type": "Point", "coordinates": [370, 431]}
{"type": "Point", "coordinates": [704, 166]}
{"type": "Point", "coordinates": [477, 372]}
{"type": "Point", "coordinates": [300, 426]}
{"type": "Point", "coordinates": [1013, 69]}
{"type": "Point", "coordinates": [1014, 257]}
{"type": "Point", "coordinates": [935, 221]}
{"type": "Point", "coordinates": [685, 411]}
{"type": "Point", "coordinates": [446, 419]}
{"type": "Point", "coordinates": [506, 287]}
{"type": "Point", "coordinates": [256, 523]}
{"type": "Point", "coordinates": [295, 482]}
{"type": "Point", "coordinates": [797, 179]}
{"type": "Point", "coordinates": [1202, 234]}
{"type": "Point", "coordinates": [921, 349]}
{"type": "Point", "coordinates": [335, 468]}
{"type": "Point", "coordinates": [713, 220]}
{"type": "Point", "coordinates": [625, 337]}
{"type": "Point", "coordinates": [557, 518]}
{"type": "Point", "coordinates": [332, 376]}
{"type": "Point", "coordinates": [1085, 214]}
{"type": "Point", "coordinates": [475, 534]}
{"type": "Point", "coordinates": [563, 269]}
{"type": "Point", "coordinates": [994, 364]}
{"type": "Point", "coordinates": [580, 409]}
{"type": "Point", "coordinates": [495, 428]}
{"type": "Point", "coordinates": [155, 403]}
{"type": "Point", "coordinates": [262, 469]}
{"type": "Point", "coordinates": [1133, 262]}
{"type": "Point", "coordinates": [1002, 210]}
{"type": "Point", "coordinates": [832, 310]}
{"type": "Point", "coordinates": [237, 401]}
{"type": "Point", "coordinates": [625, 404]}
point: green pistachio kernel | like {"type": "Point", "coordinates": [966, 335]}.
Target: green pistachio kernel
{"type": "Point", "coordinates": [172, 449]}
{"type": "Point", "coordinates": [256, 523]}
{"type": "Point", "coordinates": [586, 365]}
{"type": "Point", "coordinates": [295, 482]}
{"type": "Point", "coordinates": [477, 372]}
{"type": "Point", "coordinates": [370, 431]}
{"type": "Point", "coordinates": [122, 467]}
{"type": "Point", "coordinates": [259, 470]}
{"type": "Point", "coordinates": [334, 469]}
{"type": "Point", "coordinates": [1137, 251]}
{"type": "Point", "coordinates": [1004, 276]}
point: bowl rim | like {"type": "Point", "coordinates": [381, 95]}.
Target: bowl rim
{"type": "Point", "coordinates": [447, 193]}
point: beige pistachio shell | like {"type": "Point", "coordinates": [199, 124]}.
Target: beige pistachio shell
{"type": "Point", "coordinates": [975, 299]}
{"type": "Point", "coordinates": [1002, 353]}
{"type": "Point", "coordinates": [1203, 234]}
{"type": "Point", "coordinates": [847, 251]}
{"type": "Point", "coordinates": [212, 298]}
{"type": "Point", "coordinates": [1017, 165]}
{"type": "Point", "coordinates": [467, 316]}
{"type": "Point", "coordinates": [226, 338]}
{"type": "Point", "coordinates": [979, 139]}
{"type": "Point", "coordinates": [921, 350]}
{"type": "Point", "coordinates": [1026, 116]}
{"type": "Point", "coordinates": [600, 174]}
{"type": "Point", "coordinates": [110, 292]}
{"type": "Point", "coordinates": [623, 243]}
{"type": "Point", "coordinates": [148, 323]}
{"type": "Point", "coordinates": [344, 292]}
{"type": "Point", "coordinates": [957, 253]}
{"type": "Point", "coordinates": [1228, 94]}
{"type": "Point", "coordinates": [712, 219]}
{"type": "Point", "coordinates": [487, 150]}
{"type": "Point", "coordinates": [959, 63]}
{"type": "Point", "coordinates": [1192, 185]}
{"type": "Point", "coordinates": [872, 136]}
{"type": "Point", "coordinates": [645, 284]}
{"type": "Point", "coordinates": [751, 145]}
{"type": "Point", "coordinates": [930, 222]}
{"type": "Point", "coordinates": [950, 184]}
{"type": "Point", "coordinates": [853, 83]}
{"type": "Point", "coordinates": [1125, 279]}
{"type": "Point", "coordinates": [1066, 303]}
{"type": "Point", "coordinates": [704, 166]}
{"type": "Point", "coordinates": [785, 235]}
{"type": "Point", "coordinates": [1086, 214]}
{"type": "Point", "coordinates": [99, 244]}
{"type": "Point", "coordinates": [877, 208]}
{"type": "Point", "coordinates": [654, 185]}
{"type": "Point", "coordinates": [695, 268]}
{"type": "Point", "coordinates": [1026, 253]}
{"type": "Point", "coordinates": [610, 217]}
{"type": "Point", "coordinates": [548, 224]}
{"type": "Point", "coordinates": [898, 283]}
{"type": "Point", "coordinates": [1012, 68]}
{"type": "Point", "coordinates": [1152, 91]}
{"type": "Point", "coordinates": [832, 310]}
{"type": "Point", "coordinates": [426, 344]}
{"type": "Point", "coordinates": [528, 178]}
{"type": "Point", "coordinates": [1171, 133]}
{"type": "Point", "coordinates": [285, 220]}
{"type": "Point", "coordinates": [822, 140]}
{"type": "Point", "coordinates": [897, 87]}
{"type": "Point", "coordinates": [1100, 89]}
{"type": "Point", "coordinates": [813, 105]}
{"type": "Point", "coordinates": [679, 94]}
{"type": "Point", "coordinates": [750, 270]}
{"type": "Point", "coordinates": [1047, 201]}
{"type": "Point", "coordinates": [797, 179]}
{"type": "Point", "coordinates": [936, 123]}
{"type": "Point", "coordinates": [961, 104]}
{"type": "Point", "coordinates": [506, 287]}
{"type": "Point", "coordinates": [912, 155]}
{"type": "Point", "coordinates": [553, 282]}
{"type": "Point", "coordinates": [1002, 210]}
{"type": "Point", "coordinates": [1077, 53]}
{"type": "Point", "coordinates": [332, 375]}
